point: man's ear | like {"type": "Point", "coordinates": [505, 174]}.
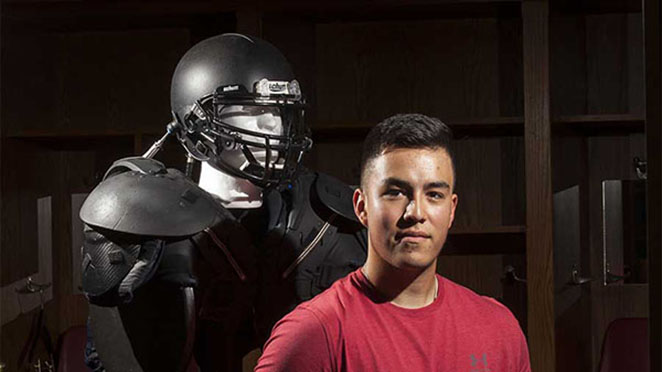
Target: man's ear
{"type": "Point", "coordinates": [359, 206]}
{"type": "Point", "coordinates": [453, 207]}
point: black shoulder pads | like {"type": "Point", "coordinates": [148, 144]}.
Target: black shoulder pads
{"type": "Point", "coordinates": [139, 196]}
{"type": "Point", "coordinates": [335, 195]}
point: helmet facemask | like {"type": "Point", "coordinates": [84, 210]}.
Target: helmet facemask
{"type": "Point", "coordinates": [260, 137]}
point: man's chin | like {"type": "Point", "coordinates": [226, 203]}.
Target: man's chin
{"type": "Point", "coordinates": [412, 263]}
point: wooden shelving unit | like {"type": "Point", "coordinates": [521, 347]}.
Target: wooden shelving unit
{"type": "Point", "coordinates": [596, 124]}
{"type": "Point", "coordinates": [481, 66]}
{"type": "Point", "coordinates": [486, 240]}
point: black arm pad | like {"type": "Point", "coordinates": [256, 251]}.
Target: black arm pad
{"type": "Point", "coordinates": [116, 264]}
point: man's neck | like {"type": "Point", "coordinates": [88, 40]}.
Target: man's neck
{"type": "Point", "coordinates": [410, 289]}
{"type": "Point", "coordinates": [233, 192]}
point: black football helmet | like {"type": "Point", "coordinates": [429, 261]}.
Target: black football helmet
{"type": "Point", "coordinates": [232, 70]}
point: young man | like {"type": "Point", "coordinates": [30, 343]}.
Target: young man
{"type": "Point", "coordinates": [396, 313]}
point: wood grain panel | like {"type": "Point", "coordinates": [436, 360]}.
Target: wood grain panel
{"type": "Point", "coordinates": [513, 188]}
{"type": "Point", "coordinates": [653, 46]}
{"type": "Point", "coordinates": [478, 163]}
{"type": "Point", "coordinates": [511, 84]}
{"type": "Point", "coordinates": [568, 65]}
{"type": "Point", "coordinates": [573, 311]}
{"type": "Point", "coordinates": [571, 305]}
{"type": "Point", "coordinates": [597, 64]}
{"type": "Point", "coordinates": [21, 188]}
{"type": "Point", "coordinates": [635, 64]}
{"type": "Point", "coordinates": [368, 71]}
{"type": "Point", "coordinates": [483, 242]}
{"type": "Point", "coordinates": [609, 157]}
{"type": "Point", "coordinates": [566, 169]}
{"type": "Point", "coordinates": [478, 182]}
{"type": "Point", "coordinates": [514, 292]}
{"type": "Point", "coordinates": [537, 144]}
{"type": "Point", "coordinates": [295, 38]}
{"type": "Point", "coordinates": [249, 22]}
{"type": "Point", "coordinates": [29, 81]}
{"type": "Point", "coordinates": [118, 81]}
{"type": "Point", "coordinates": [56, 167]}
{"type": "Point", "coordinates": [340, 160]}
{"type": "Point", "coordinates": [607, 56]}
{"type": "Point", "coordinates": [482, 274]}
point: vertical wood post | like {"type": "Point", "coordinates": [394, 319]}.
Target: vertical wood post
{"type": "Point", "coordinates": [539, 214]}
{"type": "Point", "coordinates": [652, 16]}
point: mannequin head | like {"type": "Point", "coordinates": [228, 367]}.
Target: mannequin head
{"type": "Point", "coordinates": [265, 120]}
{"type": "Point", "coordinates": [239, 110]}
{"type": "Point", "coordinates": [237, 192]}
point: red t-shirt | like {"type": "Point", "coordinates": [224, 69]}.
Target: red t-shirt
{"type": "Point", "coordinates": [347, 329]}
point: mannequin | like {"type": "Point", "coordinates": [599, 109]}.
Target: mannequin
{"type": "Point", "coordinates": [178, 271]}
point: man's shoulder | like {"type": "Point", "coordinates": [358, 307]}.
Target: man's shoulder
{"type": "Point", "coordinates": [476, 305]}
{"type": "Point", "coordinates": [499, 329]}
{"type": "Point", "coordinates": [332, 304]}
{"type": "Point", "coordinates": [300, 341]}
{"type": "Point", "coordinates": [341, 291]}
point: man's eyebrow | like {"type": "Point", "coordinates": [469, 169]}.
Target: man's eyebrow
{"type": "Point", "coordinates": [438, 185]}
{"type": "Point", "coordinates": [394, 181]}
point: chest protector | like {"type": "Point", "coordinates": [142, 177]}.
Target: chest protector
{"type": "Point", "coordinates": [314, 240]}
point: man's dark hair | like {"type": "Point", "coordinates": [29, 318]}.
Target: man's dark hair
{"type": "Point", "coordinates": [410, 131]}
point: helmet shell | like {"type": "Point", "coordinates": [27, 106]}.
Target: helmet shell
{"type": "Point", "coordinates": [227, 59]}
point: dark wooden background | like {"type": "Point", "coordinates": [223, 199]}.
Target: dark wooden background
{"type": "Point", "coordinates": [541, 98]}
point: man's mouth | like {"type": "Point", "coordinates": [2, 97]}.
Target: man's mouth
{"type": "Point", "coordinates": [413, 235]}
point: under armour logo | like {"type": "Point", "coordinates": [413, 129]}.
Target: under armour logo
{"type": "Point", "coordinates": [479, 364]}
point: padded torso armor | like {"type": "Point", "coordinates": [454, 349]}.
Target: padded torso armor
{"type": "Point", "coordinates": [246, 268]}
{"type": "Point", "coordinates": [314, 239]}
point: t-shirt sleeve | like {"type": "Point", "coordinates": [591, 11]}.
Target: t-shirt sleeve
{"type": "Point", "coordinates": [298, 342]}
{"type": "Point", "coordinates": [524, 360]}
{"type": "Point", "coordinates": [517, 345]}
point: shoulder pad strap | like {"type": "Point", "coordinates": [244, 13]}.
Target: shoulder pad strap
{"type": "Point", "coordinates": [135, 163]}
{"type": "Point", "coordinates": [335, 195]}
{"type": "Point", "coordinates": [162, 203]}
{"type": "Point", "coordinates": [273, 202]}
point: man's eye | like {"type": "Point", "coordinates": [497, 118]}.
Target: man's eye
{"type": "Point", "coordinates": [393, 192]}
{"type": "Point", "coordinates": [436, 195]}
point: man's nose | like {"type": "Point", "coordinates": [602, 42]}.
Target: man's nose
{"type": "Point", "coordinates": [415, 210]}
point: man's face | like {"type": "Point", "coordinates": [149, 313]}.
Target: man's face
{"type": "Point", "coordinates": [407, 204]}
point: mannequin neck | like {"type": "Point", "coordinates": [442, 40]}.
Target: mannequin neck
{"type": "Point", "coordinates": [233, 192]}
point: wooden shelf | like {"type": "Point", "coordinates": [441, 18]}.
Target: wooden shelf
{"type": "Point", "coordinates": [340, 132]}
{"type": "Point", "coordinates": [489, 240]}
{"type": "Point", "coordinates": [45, 135]}
{"type": "Point", "coordinates": [459, 230]}
{"type": "Point", "coordinates": [584, 7]}
{"type": "Point", "coordinates": [495, 126]}
{"type": "Point", "coordinates": [331, 10]}
{"type": "Point", "coordinates": [592, 124]}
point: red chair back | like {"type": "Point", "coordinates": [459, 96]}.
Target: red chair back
{"type": "Point", "coordinates": [71, 352]}
{"type": "Point", "coordinates": [625, 347]}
